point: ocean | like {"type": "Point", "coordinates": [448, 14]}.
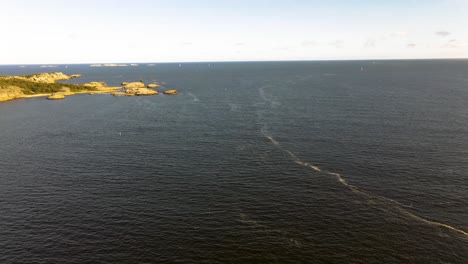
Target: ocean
{"type": "Point", "coordinates": [253, 162]}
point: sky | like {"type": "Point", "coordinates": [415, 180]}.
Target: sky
{"type": "Point", "coordinates": [93, 31]}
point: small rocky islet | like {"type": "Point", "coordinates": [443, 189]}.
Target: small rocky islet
{"type": "Point", "coordinates": [45, 84]}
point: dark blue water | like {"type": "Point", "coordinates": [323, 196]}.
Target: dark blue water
{"type": "Point", "coordinates": [274, 162]}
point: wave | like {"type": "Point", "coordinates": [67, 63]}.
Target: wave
{"type": "Point", "coordinates": [194, 97]}
{"type": "Point", "coordinates": [272, 139]}
{"type": "Point", "coordinates": [284, 236]}
{"type": "Point", "coordinates": [270, 99]}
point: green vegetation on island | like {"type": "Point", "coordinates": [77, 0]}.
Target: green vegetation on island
{"type": "Point", "coordinates": [30, 87]}
{"type": "Point", "coordinates": [45, 84]}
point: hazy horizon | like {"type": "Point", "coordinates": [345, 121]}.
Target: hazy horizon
{"type": "Point", "coordinates": [147, 63]}
{"type": "Point", "coordinates": [57, 32]}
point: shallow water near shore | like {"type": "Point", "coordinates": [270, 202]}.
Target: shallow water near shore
{"type": "Point", "coordinates": [255, 162]}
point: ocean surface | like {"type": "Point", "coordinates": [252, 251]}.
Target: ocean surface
{"type": "Point", "coordinates": [253, 162]}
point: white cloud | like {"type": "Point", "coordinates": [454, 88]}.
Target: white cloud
{"type": "Point", "coordinates": [442, 33]}
{"type": "Point", "coordinates": [454, 44]}
{"type": "Point", "coordinates": [370, 43]}
{"type": "Point", "coordinates": [399, 34]}
{"type": "Point", "coordinates": [337, 43]}
{"type": "Point", "coordinates": [306, 43]}
{"type": "Point", "coordinates": [283, 48]}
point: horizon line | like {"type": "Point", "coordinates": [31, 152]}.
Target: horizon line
{"type": "Point", "coordinates": [228, 61]}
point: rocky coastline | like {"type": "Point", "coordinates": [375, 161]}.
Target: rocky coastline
{"type": "Point", "coordinates": [18, 87]}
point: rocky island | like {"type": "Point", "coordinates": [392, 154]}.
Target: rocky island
{"type": "Point", "coordinates": [13, 87]}
{"type": "Point", "coordinates": [45, 84]}
{"type": "Point", "coordinates": [171, 92]}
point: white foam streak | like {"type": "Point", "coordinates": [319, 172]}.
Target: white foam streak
{"type": "Point", "coordinates": [270, 99]}
{"type": "Point", "coordinates": [273, 141]}
{"type": "Point", "coordinates": [387, 201]}
{"type": "Point", "coordinates": [371, 197]}
{"type": "Point", "coordinates": [194, 97]}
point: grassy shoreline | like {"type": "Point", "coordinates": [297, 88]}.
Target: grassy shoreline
{"type": "Point", "coordinates": [31, 87]}
{"type": "Point", "coordinates": [100, 91]}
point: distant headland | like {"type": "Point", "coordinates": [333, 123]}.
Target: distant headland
{"type": "Point", "coordinates": [46, 85]}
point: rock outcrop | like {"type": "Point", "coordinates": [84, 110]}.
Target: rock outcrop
{"type": "Point", "coordinates": [140, 91]}
{"type": "Point", "coordinates": [56, 96]}
{"type": "Point", "coordinates": [66, 91]}
{"type": "Point", "coordinates": [131, 85]}
{"type": "Point", "coordinates": [95, 84]}
{"type": "Point", "coordinates": [153, 85]}
{"type": "Point", "coordinates": [171, 92]}
{"type": "Point", "coordinates": [10, 93]}
{"type": "Point", "coordinates": [118, 93]}
{"type": "Point", "coordinates": [48, 77]}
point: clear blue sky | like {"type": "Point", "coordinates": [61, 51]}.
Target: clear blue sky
{"type": "Point", "coordinates": [92, 31]}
